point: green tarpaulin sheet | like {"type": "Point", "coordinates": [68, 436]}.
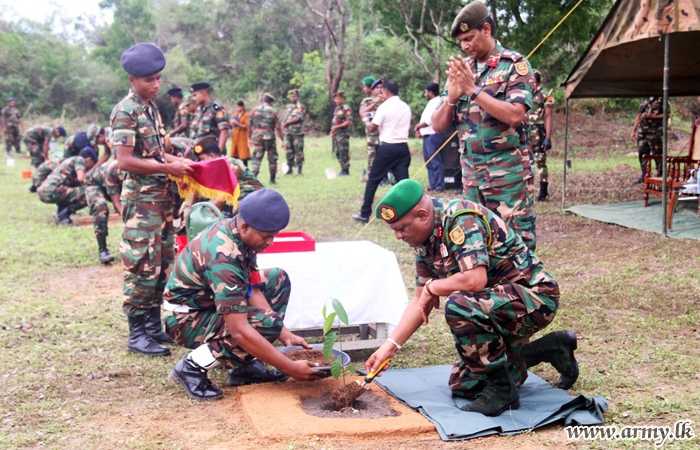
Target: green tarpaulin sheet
{"type": "Point", "coordinates": [685, 223]}
{"type": "Point", "coordinates": [425, 390]}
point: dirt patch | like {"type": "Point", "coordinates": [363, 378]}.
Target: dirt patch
{"type": "Point", "coordinates": [87, 221]}
{"type": "Point", "coordinates": [314, 356]}
{"type": "Point", "coordinates": [366, 406]}
{"type": "Point", "coordinates": [87, 285]}
{"type": "Point", "coordinates": [345, 395]}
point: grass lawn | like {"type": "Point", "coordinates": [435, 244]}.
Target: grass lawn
{"type": "Point", "coordinates": [68, 382]}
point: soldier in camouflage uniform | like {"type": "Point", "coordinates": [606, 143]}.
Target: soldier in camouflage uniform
{"type": "Point", "coordinates": [211, 119]}
{"type": "Point", "coordinates": [498, 296]}
{"type": "Point", "coordinates": [340, 132]}
{"type": "Point", "coordinates": [147, 247]}
{"type": "Point", "coordinates": [181, 119]}
{"type": "Point", "coordinates": [496, 164]}
{"type": "Point", "coordinates": [368, 106]}
{"type": "Point", "coordinates": [103, 184]}
{"type": "Point", "coordinates": [540, 133]}
{"type": "Point", "coordinates": [223, 308]}
{"type": "Point", "coordinates": [261, 135]}
{"type": "Point", "coordinates": [74, 144]}
{"type": "Point", "coordinates": [43, 171]}
{"type": "Point", "coordinates": [648, 131]}
{"type": "Point", "coordinates": [293, 126]}
{"type": "Point", "coordinates": [64, 186]}
{"type": "Point", "coordinates": [37, 140]}
{"type": "Point", "coordinates": [181, 147]}
{"type": "Point", "coordinates": [11, 123]}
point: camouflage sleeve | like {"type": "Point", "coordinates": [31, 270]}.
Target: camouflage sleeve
{"type": "Point", "coordinates": [520, 84]}
{"type": "Point", "coordinates": [80, 164]}
{"type": "Point", "coordinates": [423, 273]}
{"type": "Point", "coordinates": [222, 119]}
{"type": "Point", "coordinates": [348, 113]}
{"type": "Point", "coordinates": [467, 242]}
{"type": "Point", "coordinates": [113, 180]}
{"type": "Point", "coordinates": [228, 282]}
{"type": "Point", "coordinates": [124, 128]}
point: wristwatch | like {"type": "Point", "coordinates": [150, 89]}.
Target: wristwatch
{"type": "Point", "coordinates": [427, 286]}
{"type": "Point", "coordinates": [476, 92]}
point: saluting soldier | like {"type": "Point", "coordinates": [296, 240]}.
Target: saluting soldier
{"type": "Point", "coordinates": [11, 121]}
{"type": "Point", "coordinates": [37, 140]}
{"type": "Point", "coordinates": [261, 135]}
{"type": "Point", "coordinates": [211, 118]}
{"type": "Point", "coordinates": [489, 95]}
{"type": "Point", "coordinates": [340, 132]}
{"type": "Point", "coordinates": [368, 106]}
{"type": "Point", "coordinates": [293, 126]}
{"type": "Point", "coordinates": [147, 247]}
{"type": "Point", "coordinates": [540, 133]}
{"type": "Point", "coordinates": [103, 184]}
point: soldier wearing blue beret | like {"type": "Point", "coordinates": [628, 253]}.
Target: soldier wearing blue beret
{"type": "Point", "coordinates": [147, 247]}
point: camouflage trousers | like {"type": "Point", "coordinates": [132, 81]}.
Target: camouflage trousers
{"type": "Point", "coordinates": [148, 252]}
{"type": "Point", "coordinates": [649, 143]}
{"type": "Point", "coordinates": [36, 152]}
{"type": "Point", "coordinates": [207, 326]}
{"type": "Point", "coordinates": [294, 144]}
{"type": "Point", "coordinates": [372, 145]}
{"type": "Point", "coordinates": [541, 166]}
{"type": "Point", "coordinates": [12, 138]}
{"type": "Point", "coordinates": [259, 149]}
{"type": "Point", "coordinates": [341, 150]}
{"type": "Point", "coordinates": [72, 197]}
{"type": "Point", "coordinates": [513, 203]}
{"type": "Point", "coordinates": [490, 329]}
{"type": "Point", "coordinates": [99, 208]}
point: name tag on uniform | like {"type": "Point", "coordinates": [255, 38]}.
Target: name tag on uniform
{"type": "Point", "coordinates": [443, 251]}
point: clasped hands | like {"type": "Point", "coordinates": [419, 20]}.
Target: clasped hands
{"type": "Point", "coordinates": [460, 79]}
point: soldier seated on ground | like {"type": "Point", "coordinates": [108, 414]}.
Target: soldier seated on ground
{"type": "Point", "coordinates": [498, 296]}
{"type": "Point", "coordinates": [64, 186]}
{"type": "Point", "coordinates": [220, 305]}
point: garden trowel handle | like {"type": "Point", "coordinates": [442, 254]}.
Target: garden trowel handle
{"type": "Point", "coordinates": [370, 377]}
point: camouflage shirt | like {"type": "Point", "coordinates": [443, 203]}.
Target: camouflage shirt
{"type": "Point", "coordinates": [181, 115]}
{"type": "Point", "coordinates": [363, 104]}
{"type": "Point", "coordinates": [496, 153]}
{"type": "Point", "coordinates": [213, 271]}
{"type": "Point", "coordinates": [263, 119]}
{"type": "Point", "coordinates": [651, 126]}
{"type": "Point", "coordinates": [70, 150]}
{"type": "Point", "coordinates": [342, 114]}
{"type": "Point", "coordinates": [245, 177]}
{"type": "Point", "coordinates": [183, 147]}
{"type": "Point", "coordinates": [44, 170]}
{"type": "Point", "coordinates": [107, 176]}
{"type": "Point", "coordinates": [461, 241]}
{"type": "Point", "coordinates": [137, 124]}
{"type": "Point", "coordinates": [210, 119]}
{"type": "Point", "coordinates": [66, 174]}
{"type": "Point", "coordinates": [11, 115]}
{"type": "Point", "coordinates": [295, 110]}
{"type": "Point", "coordinates": [536, 113]}
{"type": "Point", "coordinates": [38, 134]}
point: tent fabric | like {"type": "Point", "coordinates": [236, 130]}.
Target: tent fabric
{"type": "Point", "coordinates": [425, 390]}
{"type": "Point", "coordinates": [626, 56]}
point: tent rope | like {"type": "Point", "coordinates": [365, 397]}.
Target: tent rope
{"type": "Point", "coordinates": [554, 29]}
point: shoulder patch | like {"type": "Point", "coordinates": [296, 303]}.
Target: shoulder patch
{"type": "Point", "coordinates": [457, 235]}
{"type": "Point", "coordinates": [220, 115]}
{"type": "Point", "coordinates": [521, 68]}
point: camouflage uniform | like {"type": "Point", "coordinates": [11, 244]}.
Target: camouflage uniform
{"type": "Point", "coordinates": [341, 137]}
{"type": "Point", "coordinates": [192, 126]}
{"type": "Point", "coordinates": [650, 132]}
{"type": "Point", "coordinates": [372, 137]}
{"type": "Point", "coordinates": [214, 276]}
{"type": "Point", "coordinates": [147, 247]}
{"type": "Point", "coordinates": [263, 120]}
{"type": "Point", "coordinates": [100, 184]}
{"type": "Point", "coordinates": [537, 133]}
{"type": "Point", "coordinates": [44, 170]}
{"type": "Point", "coordinates": [62, 186]}
{"type": "Point", "coordinates": [294, 134]}
{"type": "Point", "coordinates": [210, 120]}
{"type": "Point", "coordinates": [12, 117]}
{"type": "Point", "coordinates": [183, 147]}
{"type": "Point", "coordinates": [34, 139]}
{"type": "Point", "coordinates": [520, 298]}
{"type": "Point", "coordinates": [496, 165]}
{"type": "Point", "coordinates": [246, 179]}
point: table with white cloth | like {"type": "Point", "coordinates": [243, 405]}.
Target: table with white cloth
{"type": "Point", "coordinates": [365, 278]}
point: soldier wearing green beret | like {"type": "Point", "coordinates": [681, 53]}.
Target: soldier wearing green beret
{"type": "Point", "coordinates": [498, 295]}
{"type": "Point", "coordinates": [488, 95]}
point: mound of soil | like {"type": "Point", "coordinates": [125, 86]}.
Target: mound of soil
{"type": "Point", "coordinates": [367, 406]}
{"type": "Point", "coordinates": [315, 356]}
{"type": "Point", "coordinates": [346, 395]}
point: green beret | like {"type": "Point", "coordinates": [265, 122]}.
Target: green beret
{"type": "Point", "coordinates": [368, 81]}
{"type": "Point", "coordinates": [400, 199]}
{"type": "Point", "coordinates": [469, 17]}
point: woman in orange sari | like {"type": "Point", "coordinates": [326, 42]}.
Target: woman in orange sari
{"type": "Point", "coordinates": [239, 139]}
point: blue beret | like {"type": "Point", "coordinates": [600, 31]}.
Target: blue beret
{"type": "Point", "coordinates": [88, 152]}
{"type": "Point", "coordinates": [265, 210]}
{"type": "Point", "coordinates": [377, 82]}
{"type": "Point", "coordinates": [199, 86]}
{"type": "Point", "coordinates": [81, 140]}
{"type": "Point", "coordinates": [61, 131]}
{"type": "Point", "coordinates": [9, 99]}
{"type": "Point", "coordinates": [143, 60]}
{"type": "Point", "coordinates": [174, 91]}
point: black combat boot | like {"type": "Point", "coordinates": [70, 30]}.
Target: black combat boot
{"type": "Point", "coordinates": [290, 171]}
{"type": "Point", "coordinates": [544, 192]}
{"type": "Point", "coordinates": [154, 327]}
{"type": "Point", "coordinates": [272, 178]}
{"type": "Point", "coordinates": [299, 170]}
{"type": "Point", "coordinates": [140, 341]}
{"type": "Point", "coordinates": [254, 372]}
{"type": "Point", "coordinates": [641, 179]}
{"type": "Point", "coordinates": [556, 348]}
{"type": "Point", "coordinates": [500, 394]}
{"type": "Point", "coordinates": [32, 189]}
{"type": "Point", "coordinates": [63, 216]}
{"type": "Point", "coordinates": [344, 172]}
{"type": "Point", "coordinates": [105, 255]}
{"type": "Point", "coordinates": [195, 380]}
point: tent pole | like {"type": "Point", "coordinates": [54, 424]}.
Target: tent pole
{"type": "Point", "coordinates": [664, 175]}
{"type": "Point", "coordinates": [566, 147]}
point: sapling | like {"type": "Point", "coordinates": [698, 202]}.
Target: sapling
{"type": "Point", "coordinates": [337, 369]}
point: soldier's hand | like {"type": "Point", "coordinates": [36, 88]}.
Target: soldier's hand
{"type": "Point", "coordinates": [547, 144]}
{"type": "Point", "coordinates": [178, 168]}
{"type": "Point", "coordinates": [426, 303]}
{"type": "Point", "coordinates": [289, 339]}
{"type": "Point", "coordinates": [385, 351]}
{"type": "Point", "coordinates": [633, 137]}
{"type": "Point", "coordinates": [302, 371]}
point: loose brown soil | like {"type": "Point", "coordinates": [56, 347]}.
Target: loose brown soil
{"type": "Point", "coordinates": [365, 406]}
{"type": "Point", "coordinates": [314, 356]}
{"type": "Point", "coordinates": [346, 395]}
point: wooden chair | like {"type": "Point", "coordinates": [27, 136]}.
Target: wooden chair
{"type": "Point", "coordinates": [678, 171]}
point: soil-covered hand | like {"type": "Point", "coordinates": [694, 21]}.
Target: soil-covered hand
{"type": "Point", "coordinates": [302, 371]}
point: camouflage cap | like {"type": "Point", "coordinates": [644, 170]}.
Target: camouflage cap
{"type": "Point", "coordinates": [143, 60]}
{"type": "Point", "coordinates": [469, 17]}
{"type": "Point", "coordinates": [268, 95]}
{"type": "Point", "coordinates": [339, 94]}
{"type": "Point", "coordinates": [400, 199]}
{"type": "Point", "coordinates": [265, 210]}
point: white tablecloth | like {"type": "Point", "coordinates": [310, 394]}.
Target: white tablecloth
{"type": "Point", "coordinates": [364, 276]}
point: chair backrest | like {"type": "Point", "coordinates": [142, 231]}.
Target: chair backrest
{"type": "Point", "coordinates": [694, 150]}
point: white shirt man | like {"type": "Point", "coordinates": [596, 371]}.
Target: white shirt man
{"type": "Point", "coordinates": [393, 118]}
{"type": "Point", "coordinates": [432, 141]}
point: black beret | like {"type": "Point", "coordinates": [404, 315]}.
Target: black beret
{"type": "Point", "coordinates": [199, 86]}
{"type": "Point", "coordinates": [143, 60]}
{"type": "Point", "coordinates": [81, 140]}
{"type": "Point", "coordinates": [174, 90]}
{"type": "Point", "coordinates": [265, 210]}
{"type": "Point", "coordinates": [377, 82]}
{"type": "Point", "coordinates": [469, 17]}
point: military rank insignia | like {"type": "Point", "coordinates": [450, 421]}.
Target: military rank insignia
{"type": "Point", "coordinates": [464, 27]}
{"type": "Point", "coordinates": [521, 68]}
{"type": "Point", "coordinates": [439, 232]}
{"type": "Point", "coordinates": [493, 61]}
{"type": "Point", "coordinates": [220, 115]}
{"type": "Point", "coordinates": [457, 235]}
{"type": "Point", "coordinates": [387, 213]}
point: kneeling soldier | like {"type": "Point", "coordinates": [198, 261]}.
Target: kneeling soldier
{"type": "Point", "coordinates": [498, 296]}
{"type": "Point", "coordinates": [103, 184]}
{"type": "Point", "coordinates": [219, 305]}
